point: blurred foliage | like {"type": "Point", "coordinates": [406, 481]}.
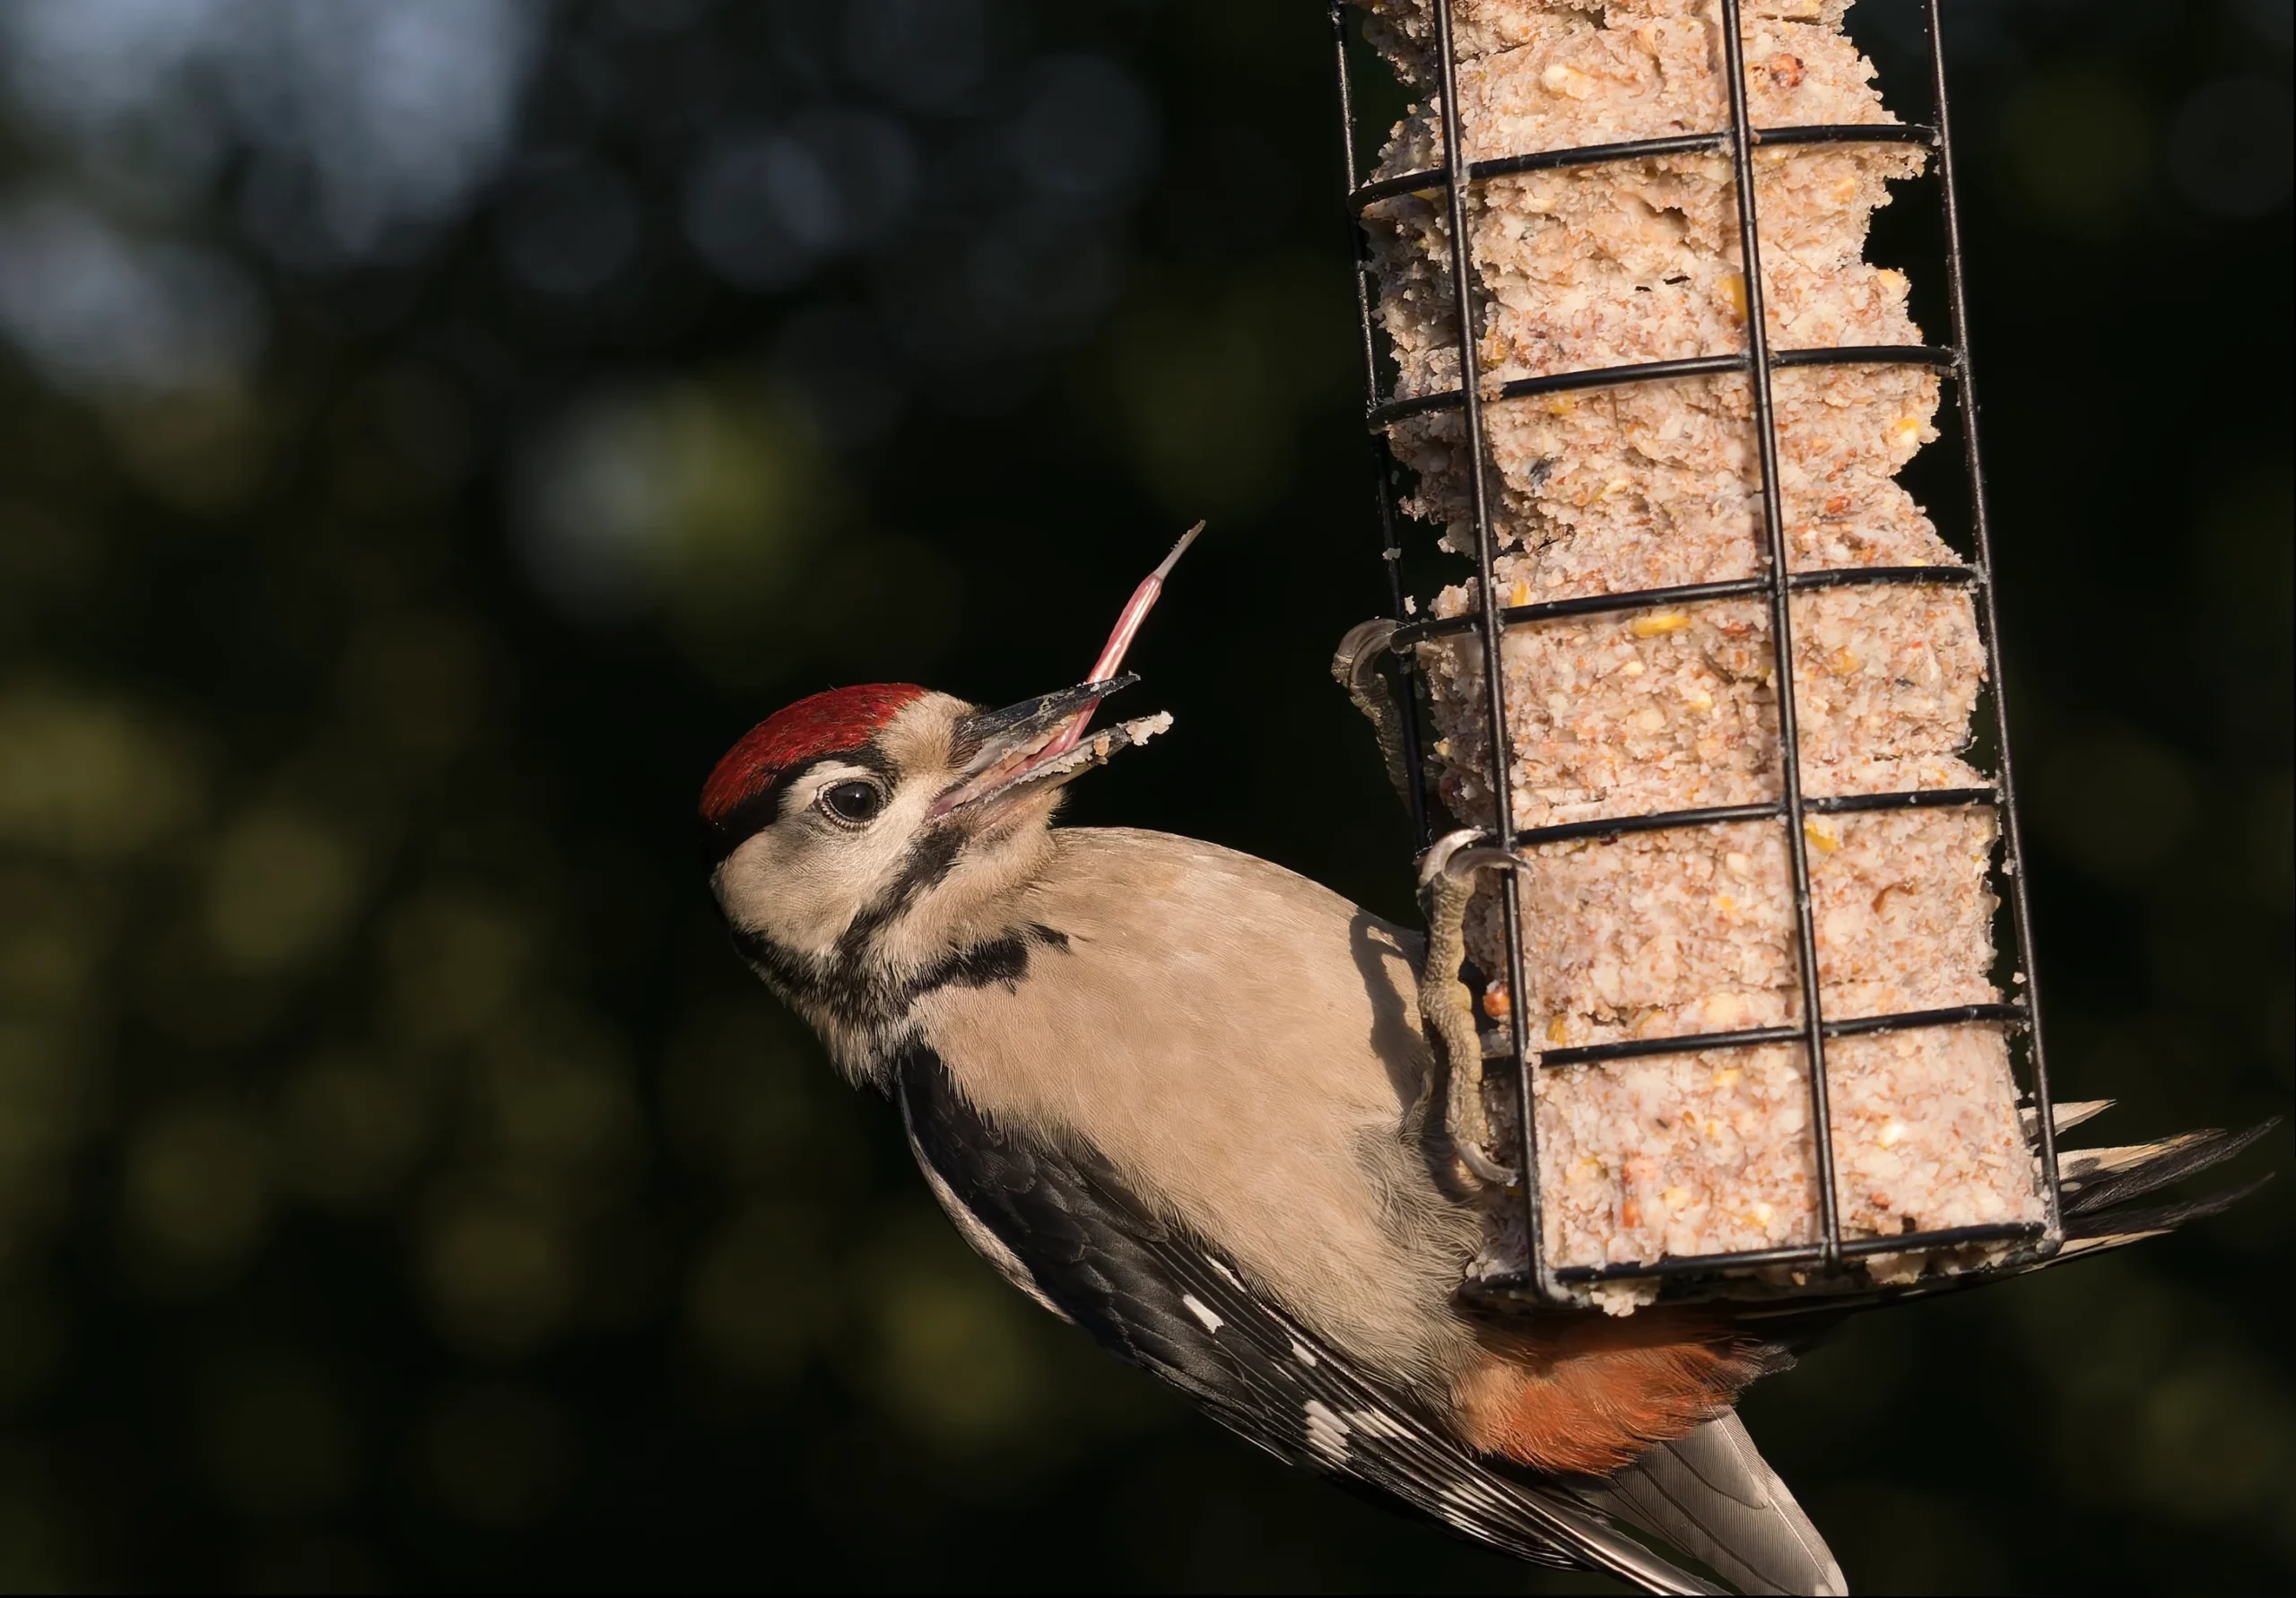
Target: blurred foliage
{"type": "Point", "coordinates": [434, 431]}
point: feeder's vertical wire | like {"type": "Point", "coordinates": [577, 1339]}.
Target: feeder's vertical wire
{"type": "Point", "coordinates": [1773, 519]}
{"type": "Point", "coordinates": [1405, 678]}
{"type": "Point", "coordinates": [2013, 853]}
{"type": "Point", "coordinates": [1456, 177]}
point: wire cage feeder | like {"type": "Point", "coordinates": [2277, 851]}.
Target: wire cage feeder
{"type": "Point", "coordinates": [1819, 1267]}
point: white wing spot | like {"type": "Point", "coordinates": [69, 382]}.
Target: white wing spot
{"type": "Point", "coordinates": [1226, 1275]}
{"type": "Point", "coordinates": [1372, 1423]}
{"type": "Point", "coordinates": [1467, 1502]}
{"type": "Point", "coordinates": [1202, 1312]}
{"type": "Point", "coordinates": [1302, 1352]}
{"type": "Point", "coordinates": [1326, 1432]}
{"type": "Point", "coordinates": [1457, 1509]}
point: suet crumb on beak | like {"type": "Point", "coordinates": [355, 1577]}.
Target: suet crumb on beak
{"type": "Point", "coordinates": [1043, 762]}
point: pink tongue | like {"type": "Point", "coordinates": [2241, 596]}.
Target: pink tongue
{"type": "Point", "coordinates": [1111, 660]}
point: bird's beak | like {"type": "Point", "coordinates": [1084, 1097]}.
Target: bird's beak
{"type": "Point", "coordinates": [1036, 744]}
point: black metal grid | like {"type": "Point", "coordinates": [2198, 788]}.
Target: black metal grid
{"type": "Point", "coordinates": [1822, 1261]}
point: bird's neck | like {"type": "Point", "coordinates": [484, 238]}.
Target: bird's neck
{"type": "Point", "coordinates": [967, 927]}
{"type": "Point", "coordinates": [858, 1011]}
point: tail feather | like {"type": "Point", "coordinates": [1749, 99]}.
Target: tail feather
{"type": "Point", "coordinates": [1712, 1496]}
{"type": "Point", "coordinates": [2065, 1117]}
{"type": "Point", "coordinates": [2115, 1228]}
{"type": "Point", "coordinates": [2095, 1179]}
{"type": "Point", "coordinates": [1709, 1493]}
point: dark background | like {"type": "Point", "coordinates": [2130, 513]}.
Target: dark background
{"type": "Point", "coordinates": [430, 433]}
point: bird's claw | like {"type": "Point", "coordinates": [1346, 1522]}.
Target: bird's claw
{"type": "Point", "coordinates": [1445, 1006]}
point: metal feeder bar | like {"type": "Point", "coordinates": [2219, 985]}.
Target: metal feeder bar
{"type": "Point", "coordinates": [1702, 1275]}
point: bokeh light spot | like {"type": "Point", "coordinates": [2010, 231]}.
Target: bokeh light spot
{"type": "Point", "coordinates": [48, 1093]}
{"type": "Point", "coordinates": [207, 449]}
{"type": "Point", "coordinates": [558, 1107]}
{"type": "Point", "coordinates": [453, 957]}
{"type": "Point", "coordinates": [2082, 141]}
{"type": "Point", "coordinates": [1088, 133]}
{"type": "Point", "coordinates": [924, 53]}
{"type": "Point", "coordinates": [496, 1274]}
{"type": "Point", "coordinates": [497, 1455]}
{"type": "Point", "coordinates": [568, 228]}
{"type": "Point", "coordinates": [349, 1128]}
{"type": "Point", "coordinates": [412, 683]}
{"type": "Point", "coordinates": [102, 314]}
{"type": "Point", "coordinates": [2115, 801]}
{"type": "Point", "coordinates": [276, 1438]}
{"type": "Point", "coordinates": [951, 1356]}
{"type": "Point", "coordinates": [87, 776]}
{"type": "Point", "coordinates": [199, 1188]}
{"type": "Point", "coordinates": [690, 498]}
{"type": "Point", "coordinates": [759, 1298]}
{"type": "Point", "coordinates": [279, 888]}
{"type": "Point", "coordinates": [2217, 1439]}
{"type": "Point", "coordinates": [2232, 145]}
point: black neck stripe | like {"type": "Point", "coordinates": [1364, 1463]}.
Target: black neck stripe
{"type": "Point", "coordinates": [999, 961]}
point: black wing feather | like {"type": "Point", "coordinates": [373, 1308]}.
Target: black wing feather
{"type": "Point", "coordinates": [1159, 1296]}
{"type": "Point", "coordinates": [2178, 1158]}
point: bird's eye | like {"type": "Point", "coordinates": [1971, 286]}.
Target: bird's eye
{"type": "Point", "coordinates": [852, 801]}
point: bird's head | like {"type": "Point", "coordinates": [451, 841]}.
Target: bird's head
{"type": "Point", "coordinates": [859, 838]}
{"type": "Point", "coordinates": [868, 831]}
{"type": "Point", "coordinates": [872, 828]}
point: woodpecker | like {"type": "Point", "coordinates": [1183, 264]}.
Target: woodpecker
{"type": "Point", "coordinates": [1179, 1097]}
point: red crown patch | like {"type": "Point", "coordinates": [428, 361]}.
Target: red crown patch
{"type": "Point", "coordinates": [840, 719]}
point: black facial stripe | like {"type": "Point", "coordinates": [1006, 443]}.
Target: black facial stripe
{"type": "Point", "coordinates": [762, 809]}
{"type": "Point", "coordinates": [784, 968]}
{"type": "Point", "coordinates": [930, 859]}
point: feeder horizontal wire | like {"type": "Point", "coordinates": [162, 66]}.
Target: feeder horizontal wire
{"type": "Point", "coordinates": [1786, 1256]}
{"type": "Point", "coordinates": [1431, 182]}
{"type": "Point", "coordinates": [1643, 599]}
{"type": "Point", "coordinates": [1958, 1237]}
{"type": "Point", "coordinates": [1861, 1025]}
{"type": "Point", "coordinates": [1941, 357]}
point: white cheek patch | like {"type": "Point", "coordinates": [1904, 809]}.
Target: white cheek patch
{"type": "Point", "coordinates": [800, 880]}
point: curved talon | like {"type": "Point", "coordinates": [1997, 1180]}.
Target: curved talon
{"type": "Point", "coordinates": [1437, 856]}
{"type": "Point", "coordinates": [1461, 863]}
{"type": "Point", "coordinates": [1482, 1164]}
{"type": "Point", "coordinates": [1357, 667]}
{"type": "Point", "coordinates": [1446, 877]}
